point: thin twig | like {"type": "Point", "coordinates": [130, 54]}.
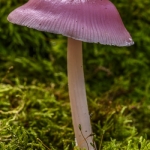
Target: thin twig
{"type": "Point", "coordinates": [8, 71]}
{"type": "Point", "coordinates": [83, 136]}
{"type": "Point", "coordinates": [43, 144]}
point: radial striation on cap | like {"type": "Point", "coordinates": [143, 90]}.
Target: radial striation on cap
{"type": "Point", "coordinates": [96, 21]}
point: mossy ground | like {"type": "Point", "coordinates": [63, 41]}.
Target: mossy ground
{"type": "Point", "coordinates": [34, 103]}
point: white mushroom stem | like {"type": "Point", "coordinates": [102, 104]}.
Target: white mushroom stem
{"type": "Point", "coordinates": [77, 93]}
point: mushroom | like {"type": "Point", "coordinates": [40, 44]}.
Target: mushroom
{"type": "Point", "coordinates": [95, 21]}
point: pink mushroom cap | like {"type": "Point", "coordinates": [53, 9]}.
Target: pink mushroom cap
{"type": "Point", "coordinates": [94, 21]}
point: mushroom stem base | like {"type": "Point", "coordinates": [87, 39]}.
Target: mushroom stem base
{"type": "Point", "coordinates": [77, 94]}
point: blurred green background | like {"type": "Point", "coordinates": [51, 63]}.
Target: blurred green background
{"type": "Point", "coordinates": [34, 102]}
